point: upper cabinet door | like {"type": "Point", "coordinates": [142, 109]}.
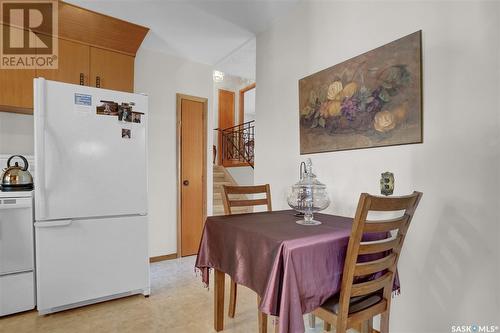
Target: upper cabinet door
{"type": "Point", "coordinates": [16, 89]}
{"type": "Point", "coordinates": [74, 64]}
{"type": "Point", "coordinates": [111, 70]}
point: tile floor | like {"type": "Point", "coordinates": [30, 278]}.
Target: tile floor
{"type": "Point", "coordinates": [178, 303]}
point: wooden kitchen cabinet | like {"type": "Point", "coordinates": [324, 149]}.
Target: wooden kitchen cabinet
{"type": "Point", "coordinates": [16, 89]}
{"type": "Point", "coordinates": [74, 61]}
{"type": "Point", "coordinates": [114, 70]}
{"type": "Point", "coordinates": [92, 44]}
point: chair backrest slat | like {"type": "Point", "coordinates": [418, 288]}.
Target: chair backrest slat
{"type": "Point", "coordinates": [374, 266]}
{"type": "Point", "coordinates": [385, 225]}
{"type": "Point", "coordinates": [246, 189]}
{"type": "Point", "coordinates": [384, 204]}
{"type": "Point", "coordinates": [379, 246]}
{"type": "Point", "coordinates": [367, 314]}
{"type": "Point", "coordinates": [365, 288]}
{"type": "Point", "coordinates": [383, 254]}
{"type": "Point", "coordinates": [246, 203]}
{"type": "Point", "coordinates": [243, 190]}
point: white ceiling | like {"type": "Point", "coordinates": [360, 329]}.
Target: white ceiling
{"type": "Point", "coordinates": [215, 32]}
{"type": "Point", "coordinates": [241, 62]}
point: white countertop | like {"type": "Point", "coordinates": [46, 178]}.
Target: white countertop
{"type": "Point", "coordinates": [16, 194]}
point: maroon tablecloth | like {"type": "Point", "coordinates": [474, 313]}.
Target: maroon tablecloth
{"type": "Point", "coordinates": [294, 268]}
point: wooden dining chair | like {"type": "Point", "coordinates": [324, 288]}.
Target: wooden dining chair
{"type": "Point", "coordinates": [358, 302]}
{"type": "Point", "coordinates": [229, 203]}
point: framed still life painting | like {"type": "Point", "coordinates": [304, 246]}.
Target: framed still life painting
{"type": "Point", "coordinates": [372, 100]}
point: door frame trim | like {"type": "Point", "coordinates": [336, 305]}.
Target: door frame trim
{"type": "Point", "coordinates": [241, 110]}
{"type": "Point", "coordinates": [179, 98]}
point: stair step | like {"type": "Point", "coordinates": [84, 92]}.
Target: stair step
{"type": "Point", "coordinates": [225, 182]}
{"type": "Point", "coordinates": [220, 178]}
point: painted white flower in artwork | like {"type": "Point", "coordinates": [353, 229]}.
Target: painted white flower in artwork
{"type": "Point", "coordinates": [334, 89]}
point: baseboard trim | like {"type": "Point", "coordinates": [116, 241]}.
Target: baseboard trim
{"type": "Point", "coordinates": [164, 257]}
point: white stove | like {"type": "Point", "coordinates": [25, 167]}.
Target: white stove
{"type": "Point", "coordinates": [17, 280]}
{"type": "Point", "coordinates": [16, 194]}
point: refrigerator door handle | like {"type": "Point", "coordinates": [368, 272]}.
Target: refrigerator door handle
{"type": "Point", "coordinates": [58, 223]}
{"type": "Point", "coordinates": [40, 205]}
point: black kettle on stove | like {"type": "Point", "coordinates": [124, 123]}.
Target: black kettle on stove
{"type": "Point", "coordinates": [15, 177]}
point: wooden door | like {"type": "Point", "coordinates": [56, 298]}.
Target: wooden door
{"type": "Point", "coordinates": [74, 61]}
{"type": "Point", "coordinates": [114, 70]}
{"type": "Point", "coordinates": [192, 172]}
{"type": "Point", "coordinates": [226, 116]}
{"type": "Point", "coordinates": [16, 89]}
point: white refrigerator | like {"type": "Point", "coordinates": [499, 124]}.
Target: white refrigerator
{"type": "Point", "coordinates": [91, 224]}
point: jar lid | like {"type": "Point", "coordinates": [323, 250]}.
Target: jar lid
{"type": "Point", "coordinates": [308, 178]}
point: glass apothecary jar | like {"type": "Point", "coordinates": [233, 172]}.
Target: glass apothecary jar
{"type": "Point", "coordinates": [308, 195]}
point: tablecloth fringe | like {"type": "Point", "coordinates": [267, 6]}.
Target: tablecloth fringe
{"type": "Point", "coordinates": [199, 273]}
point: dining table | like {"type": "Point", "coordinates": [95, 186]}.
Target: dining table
{"type": "Point", "coordinates": [293, 268]}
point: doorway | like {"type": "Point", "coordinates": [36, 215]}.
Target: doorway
{"type": "Point", "coordinates": [192, 172]}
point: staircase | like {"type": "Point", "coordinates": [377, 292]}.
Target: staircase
{"type": "Point", "coordinates": [222, 177]}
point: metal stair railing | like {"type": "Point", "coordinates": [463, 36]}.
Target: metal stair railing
{"type": "Point", "coordinates": [238, 143]}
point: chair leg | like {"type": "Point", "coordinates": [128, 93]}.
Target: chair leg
{"type": "Point", "coordinates": [327, 326]}
{"type": "Point", "coordinates": [384, 322]}
{"type": "Point", "coordinates": [367, 326]}
{"type": "Point", "coordinates": [232, 299]}
{"type": "Point", "coordinates": [312, 320]}
{"type": "Point", "coordinates": [384, 316]}
{"type": "Point", "coordinates": [262, 318]}
{"type": "Point", "coordinates": [341, 327]}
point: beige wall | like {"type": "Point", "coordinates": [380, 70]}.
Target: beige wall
{"type": "Point", "coordinates": [161, 77]}
{"type": "Point", "coordinates": [450, 265]}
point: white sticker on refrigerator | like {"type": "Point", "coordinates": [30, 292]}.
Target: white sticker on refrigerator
{"type": "Point", "coordinates": [83, 104]}
{"type": "Point", "coordinates": [83, 99]}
